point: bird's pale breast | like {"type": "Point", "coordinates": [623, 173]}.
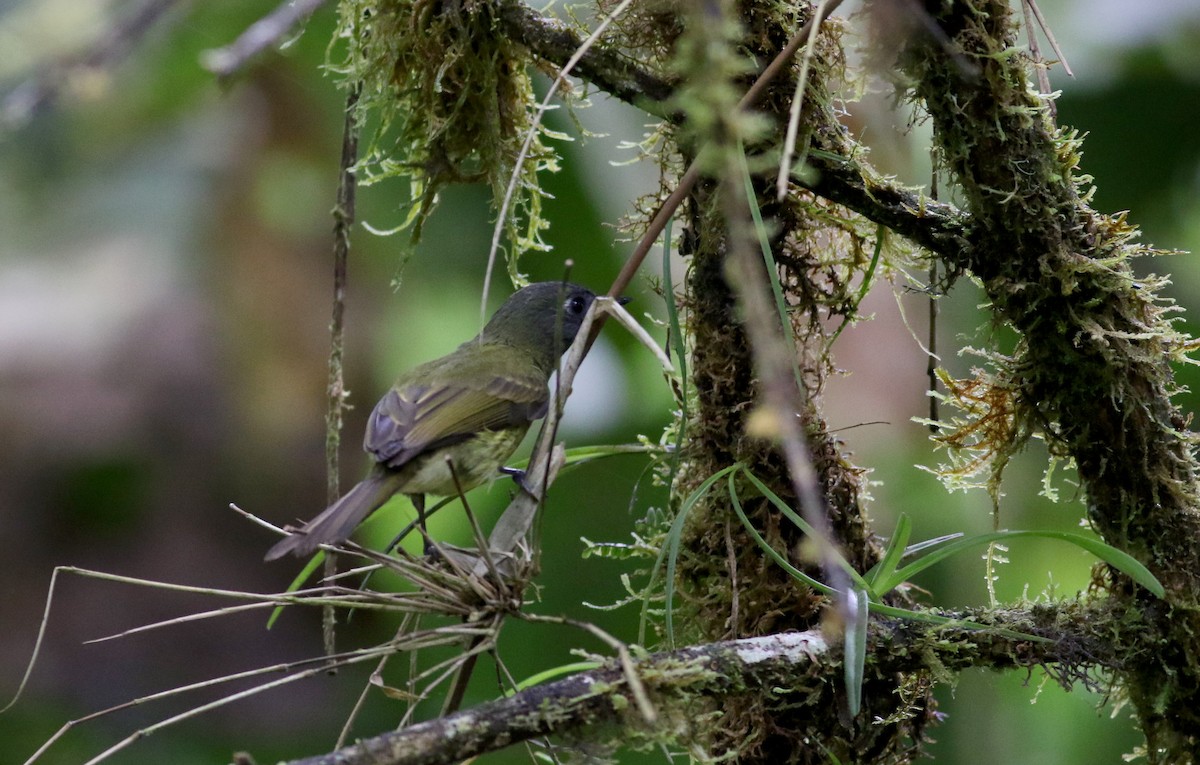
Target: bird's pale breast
{"type": "Point", "coordinates": [476, 460]}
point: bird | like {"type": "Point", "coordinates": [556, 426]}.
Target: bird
{"type": "Point", "coordinates": [460, 416]}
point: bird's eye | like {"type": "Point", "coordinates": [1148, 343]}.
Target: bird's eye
{"type": "Point", "coordinates": [575, 305]}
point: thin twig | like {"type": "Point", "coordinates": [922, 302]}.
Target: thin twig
{"type": "Point", "coordinates": [734, 589]}
{"type": "Point", "coordinates": [780, 392]}
{"type": "Point", "coordinates": [530, 134]}
{"type": "Point", "coordinates": [1039, 63]}
{"type": "Point", "coordinates": [343, 221]}
{"type": "Point", "coordinates": [688, 180]}
{"type": "Point", "coordinates": [362, 697]}
{"type": "Point", "coordinates": [352, 657]}
{"type": "Point", "coordinates": [824, 8]}
{"type": "Point", "coordinates": [42, 90]}
{"type": "Point", "coordinates": [262, 34]}
{"type": "Point", "coordinates": [636, 688]}
{"type": "Point", "coordinates": [1046, 30]}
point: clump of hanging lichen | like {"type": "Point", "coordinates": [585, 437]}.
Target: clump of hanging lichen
{"type": "Point", "coordinates": [444, 100]}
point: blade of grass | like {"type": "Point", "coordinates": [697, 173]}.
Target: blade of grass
{"type": "Point", "coordinates": [550, 674]}
{"type": "Point", "coordinates": [677, 346]}
{"type": "Point", "coordinates": [771, 552]}
{"type": "Point", "coordinates": [863, 288]}
{"type": "Point", "coordinates": [1118, 559]}
{"type": "Point", "coordinates": [671, 550]}
{"type": "Point", "coordinates": [804, 526]}
{"type": "Point", "coordinates": [309, 568]}
{"type": "Point", "coordinates": [764, 242]}
{"type": "Point", "coordinates": [884, 569]}
{"type": "Point", "coordinates": [875, 608]}
{"type": "Point", "coordinates": [917, 547]}
{"type": "Point", "coordinates": [854, 660]}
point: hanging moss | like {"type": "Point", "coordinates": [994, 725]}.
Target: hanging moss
{"type": "Point", "coordinates": [447, 100]}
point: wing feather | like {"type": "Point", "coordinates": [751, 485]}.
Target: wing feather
{"type": "Point", "coordinates": [446, 402]}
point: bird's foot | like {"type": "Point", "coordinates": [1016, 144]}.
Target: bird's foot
{"type": "Point", "coordinates": [519, 478]}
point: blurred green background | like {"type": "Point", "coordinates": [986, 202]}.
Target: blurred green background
{"type": "Point", "coordinates": [164, 302]}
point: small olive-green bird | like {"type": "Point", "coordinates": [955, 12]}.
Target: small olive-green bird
{"type": "Point", "coordinates": [469, 409]}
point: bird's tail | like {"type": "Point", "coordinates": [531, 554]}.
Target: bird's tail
{"type": "Point", "coordinates": [339, 520]}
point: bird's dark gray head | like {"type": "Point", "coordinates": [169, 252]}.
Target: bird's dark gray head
{"type": "Point", "coordinates": [544, 316]}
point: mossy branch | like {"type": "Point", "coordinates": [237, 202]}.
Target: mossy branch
{"type": "Point", "coordinates": [683, 684]}
{"type": "Point", "coordinates": [936, 226]}
{"type": "Point", "coordinates": [1092, 371]}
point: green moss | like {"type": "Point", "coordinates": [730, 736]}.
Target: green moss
{"type": "Point", "coordinates": [445, 100]}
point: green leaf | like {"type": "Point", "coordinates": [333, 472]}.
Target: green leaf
{"type": "Point", "coordinates": [917, 547]}
{"type": "Point", "coordinates": [864, 288]}
{"type": "Point", "coordinates": [1118, 559]}
{"type": "Point", "coordinates": [309, 569]}
{"type": "Point", "coordinates": [771, 552]}
{"type": "Point", "coordinates": [764, 241]}
{"type": "Point", "coordinates": [804, 526]}
{"type": "Point", "coordinates": [550, 674]}
{"type": "Point", "coordinates": [875, 608]}
{"type": "Point", "coordinates": [892, 556]}
{"type": "Point", "coordinates": [854, 660]}
{"type": "Point", "coordinates": [672, 552]}
{"type": "Point", "coordinates": [580, 455]}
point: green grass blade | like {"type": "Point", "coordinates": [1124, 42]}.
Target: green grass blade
{"type": "Point", "coordinates": [672, 548]}
{"type": "Point", "coordinates": [309, 569]}
{"type": "Point", "coordinates": [1118, 559]}
{"type": "Point", "coordinates": [892, 556]}
{"type": "Point", "coordinates": [804, 526]}
{"type": "Point", "coordinates": [875, 608]}
{"type": "Point", "coordinates": [854, 661]}
{"type": "Point", "coordinates": [550, 674]}
{"type": "Point", "coordinates": [678, 347]}
{"type": "Point", "coordinates": [764, 241]}
{"type": "Point", "coordinates": [579, 455]}
{"type": "Point", "coordinates": [864, 288]}
{"type": "Point", "coordinates": [917, 547]}
{"type": "Point", "coordinates": [771, 552]}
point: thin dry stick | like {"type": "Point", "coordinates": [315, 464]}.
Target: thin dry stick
{"type": "Point", "coordinates": [688, 180]}
{"type": "Point", "coordinates": [343, 221]}
{"type": "Point", "coordinates": [824, 8]}
{"type": "Point", "coordinates": [1046, 30]}
{"type": "Point", "coordinates": [362, 697]}
{"type": "Point", "coordinates": [200, 616]}
{"type": "Point", "coordinates": [731, 563]}
{"type": "Point", "coordinates": [352, 657]}
{"type": "Point", "coordinates": [780, 393]}
{"type": "Point", "coordinates": [529, 136]}
{"type": "Point", "coordinates": [931, 357]}
{"type": "Point", "coordinates": [503, 676]}
{"type": "Point", "coordinates": [296, 598]}
{"type": "Point", "coordinates": [459, 689]}
{"type": "Point", "coordinates": [481, 541]}
{"type": "Point", "coordinates": [256, 520]}
{"type": "Point", "coordinates": [1039, 64]}
{"type": "Point", "coordinates": [636, 687]}
{"type": "Point", "coordinates": [196, 711]}
{"type": "Point", "coordinates": [267, 31]}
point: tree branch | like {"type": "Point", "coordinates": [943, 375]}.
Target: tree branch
{"type": "Point", "coordinates": [42, 90]}
{"type": "Point", "coordinates": [936, 226]}
{"type": "Point", "coordinates": [267, 31]}
{"type": "Point", "coordinates": [553, 41]}
{"type": "Point", "coordinates": [679, 679]}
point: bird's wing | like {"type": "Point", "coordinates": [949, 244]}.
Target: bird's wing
{"type": "Point", "coordinates": [416, 417]}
